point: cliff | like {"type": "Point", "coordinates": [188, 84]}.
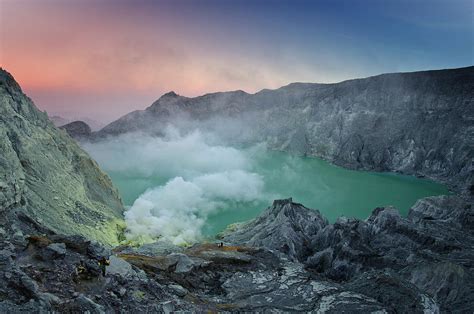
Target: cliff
{"type": "Point", "coordinates": [418, 123]}
{"type": "Point", "coordinates": [47, 177]}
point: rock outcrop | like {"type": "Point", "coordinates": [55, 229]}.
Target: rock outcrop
{"type": "Point", "coordinates": [47, 177]}
{"type": "Point", "coordinates": [390, 264]}
{"type": "Point", "coordinates": [285, 227]}
{"type": "Point", "coordinates": [417, 123]}
{"type": "Point", "coordinates": [427, 256]}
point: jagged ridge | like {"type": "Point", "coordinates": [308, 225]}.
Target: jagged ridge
{"type": "Point", "coordinates": [416, 123]}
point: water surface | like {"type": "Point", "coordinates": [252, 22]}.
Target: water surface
{"type": "Point", "coordinates": [333, 190]}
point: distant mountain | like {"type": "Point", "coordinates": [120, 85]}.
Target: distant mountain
{"type": "Point", "coordinates": [77, 129]}
{"type": "Point", "coordinates": [60, 121]}
{"type": "Point", "coordinates": [418, 123]}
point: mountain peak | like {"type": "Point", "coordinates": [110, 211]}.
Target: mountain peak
{"type": "Point", "coordinates": [7, 79]}
{"type": "Point", "coordinates": [171, 94]}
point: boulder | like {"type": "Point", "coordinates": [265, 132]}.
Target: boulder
{"type": "Point", "coordinates": [120, 267]}
{"type": "Point", "coordinates": [183, 263]}
{"type": "Point", "coordinates": [178, 290]}
{"type": "Point", "coordinates": [54, 251]}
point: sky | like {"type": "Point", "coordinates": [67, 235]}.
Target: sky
{"type": "Point", "coordinates": [104, 58]}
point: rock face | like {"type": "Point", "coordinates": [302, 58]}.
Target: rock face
{"type": "Point", "coordinates": [285, 227]}
{"type": "Point", "coordinates": [77, 130]}
{"type": "Point", "coordinates": [417, 123]}
{"type": "Point", "coordinates": [386, 264]}
{"type": "Point", "coordinates": [47, 177]}
{"type": "Point", "coordinates": [402, 261]}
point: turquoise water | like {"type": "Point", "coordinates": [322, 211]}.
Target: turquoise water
{"type": "Point", "coordinates": [313, 182]}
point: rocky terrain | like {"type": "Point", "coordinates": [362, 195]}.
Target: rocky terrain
{"type": "Point", "coordinates": [47, 177]}
{"type": "Point", "coordinates": [60, 214]}
{"type": "Point", "coordinates": [419, 123]}
{"type": "Point", "coordinates": [427, 256]}
{"type": "Point", "coordinates": [423, 263]}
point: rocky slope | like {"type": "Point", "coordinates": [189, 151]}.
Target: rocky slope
{"type": "Point", "coordinates": [430, 252]}
{"type": "Point", "coordinates": [47, 177]}
{"type": "Point", "coordinates": [417, 123]}
{"type": "Point", "coordinates": [420, 264]}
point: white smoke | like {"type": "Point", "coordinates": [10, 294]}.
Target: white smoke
{"type": "Point", "coordinates": [173, 154]}
{"type": "Point", "coordinates": [204, 178]}
{"type": "Point", "coordinates": [177, 211]}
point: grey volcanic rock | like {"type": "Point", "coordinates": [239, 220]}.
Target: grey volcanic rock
{"type": "Point", "coordinates": [440, 209]}
{"type": "Point", "coordinates": [77, 130]}
{"type": "Point", "coordinates": [418, 123]}
{"type": "Point", "coordinates": [47, 178]}
{"type": "Point", "coordinates": [285, 227]}
{"type": "Point", "coordinates": [264, 282]}
{"type": "Point", "coordinates": [413, 264]}
{"type": "Point", "coordinates": [120, 267]}
{"type": "Point", "coordinates": [55, 250]}
{"type": "Point", "coordinates": [386, 264]}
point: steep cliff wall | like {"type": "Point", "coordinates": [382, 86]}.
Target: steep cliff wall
{"type": "Point", "coordinates": [47, 176]}
{"type": "Point", "coordinates": [419, 123]}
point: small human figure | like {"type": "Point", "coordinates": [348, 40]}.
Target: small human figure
{"type": "Point", "coordinates": [80, 273]}
{"type": "Point", "coordinates": [103, 263]}
{"type": "Point", "coordinates": [81, 268]}
{"type": "Point", "coordinates": [221, 244]}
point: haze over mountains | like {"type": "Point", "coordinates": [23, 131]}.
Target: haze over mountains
{"type": "Point", "coordinates": [60, 121]}
{"type": "Point", "coordinates": [418, 123]}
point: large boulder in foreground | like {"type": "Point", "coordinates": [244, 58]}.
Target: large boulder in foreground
{"type": "Point", "coordinates": [46, 176]}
